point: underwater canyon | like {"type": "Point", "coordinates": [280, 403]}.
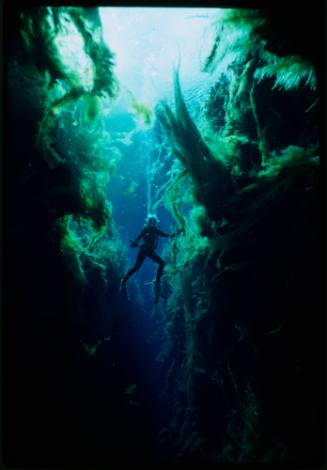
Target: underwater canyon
{"type": "Point", "coordinates": [222, 142]}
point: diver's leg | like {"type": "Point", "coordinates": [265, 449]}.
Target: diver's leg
{"type": "Point", "coordinates": [156, 258]}
{"type": "Point", "coordinates": [139, 261]}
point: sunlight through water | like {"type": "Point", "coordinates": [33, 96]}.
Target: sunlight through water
{"type": "Point", "coordinates": [150, 42]}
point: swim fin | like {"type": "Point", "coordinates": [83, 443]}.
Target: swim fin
{"type": "Point", "coordinates": [123, 289]}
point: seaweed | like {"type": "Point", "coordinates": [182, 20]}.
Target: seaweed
{"type": "Point", "coordinates": [240, 192]}
{"type": "Point", "coordinates": [236, 38]}
{"type": "Point", "coordinates": [66, 47]}
{"type": "Point", "coordinates": [190, 148]}
{"type": "Point", "coordinates": [241, 34]}
{"type": "Point", "coordinates": [289, 72]}
{"type": "Point", "coordinates": [61, 71]}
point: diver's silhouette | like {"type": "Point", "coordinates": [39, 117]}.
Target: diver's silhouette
{"type": "Point", "coordinates": [149, 236]}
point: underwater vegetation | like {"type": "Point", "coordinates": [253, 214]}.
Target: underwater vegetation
{"type": "Point", "coordinates": [141, 109]}
{"type": "Point", "coordinates": [67, 72]}
{"type": "Point", "coordinates": [65, 257]}
{"type": "Point", "coordinates": [234, 374]}
{"type": "Point", "coordinates": [252, 163]}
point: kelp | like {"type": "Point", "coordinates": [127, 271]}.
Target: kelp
{"type": "Point", "coordinates": [288, 72]}
{"type": "Point", "coordinates": [88, 161]}
{"type": "Point", "coordinates": [66, 44]}
{"type": "Point", "coordinates": [243, 429]}
{"type": "Point", "coordinates": [189, 147]}
{"type": "Point", "coordinates": [241, 34]}
{"type": "Point", "coordinates": [71, 249]}
{"type": "Point", "coordinates": [229, 155]}
{"type": "Point", "coordinates": [234, 186]}
{"type": "Point", "coordinates": [65, 61]}
{"type": "Point", "coordinates": [140, 109]}
{"type": "Point", "coordinates": [88, 24]}
{"type": "Point", "coordinates": [236, 38]}
{"type": "Point", "coordinates": [82, 244]}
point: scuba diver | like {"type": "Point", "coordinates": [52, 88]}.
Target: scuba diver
{"type": "Point", "coordinates": [149, 235]}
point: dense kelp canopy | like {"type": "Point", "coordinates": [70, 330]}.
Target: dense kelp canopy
{"type": "Point", "coordinates": [253, 162]}
{"type": "Point", "coordinates": [63, 73]}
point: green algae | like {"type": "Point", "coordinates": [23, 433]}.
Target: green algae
{"type": "Point", "coordinates": [236, 181]}
{"type": "Point", "coordinates": [67, 69]}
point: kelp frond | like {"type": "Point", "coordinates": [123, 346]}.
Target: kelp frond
{"type": "Point", "coordinates": [289, 72]}
{"type": "Point", "coordinates": [235, 38]}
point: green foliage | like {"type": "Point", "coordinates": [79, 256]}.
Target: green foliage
{"type": "Point", "coordinates": [91, 159]}
{"type": "Point", "coordinates": [291, 156]}
{"type": "Point", "coordinates": [240, 36]}
{"type": "Point", "coordinates": [69, 68]}
{"type": "Point", "coordinates": [185, 138]}
{"type": "Point", "coordinates": [131, 188]}
{"type": "Point", "coordinates": [231, 178]}
{"type": "Point", "coordinates": [82, 243]}
{"type": "Point", "coordinates": [38, 29]}
{"type": "Point", "coordinates": [71, 61]}
{"type": "Point", "coordinates": [71, 249]}
{"type": "Point", "coordinates": [141, 109]}
{"type": "Point", "coordinates": [238, 103]}
{"type": "Point", "coordinates": [67, 41]}
{"type": "Point", "coordinates": [289, 72]}
{"type": "Point", "coordinates": [243, 429]}
{"type": "Point", "coordinates": [236, 38]}
{"type": "Point", "coordinates": [93, 108]}
{"type": "Point", "coordinates": [91, 350]}
{"type": "Point", "coordinates": [209, 173]}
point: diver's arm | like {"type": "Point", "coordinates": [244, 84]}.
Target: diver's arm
{"type": "Point", "coordinates": [135, 242]}
{"type": "Point", "coordinates": [177, 233]}
{"type": "Point", "coordinates": [162, 234]}
{"type": "Point", "coordinates": [140, 236]}
{"type": "Point", "coordinates": [169, 235]}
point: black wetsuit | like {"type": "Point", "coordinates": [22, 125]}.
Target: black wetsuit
{"type": "Point", "coordinates": [149, 236]}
